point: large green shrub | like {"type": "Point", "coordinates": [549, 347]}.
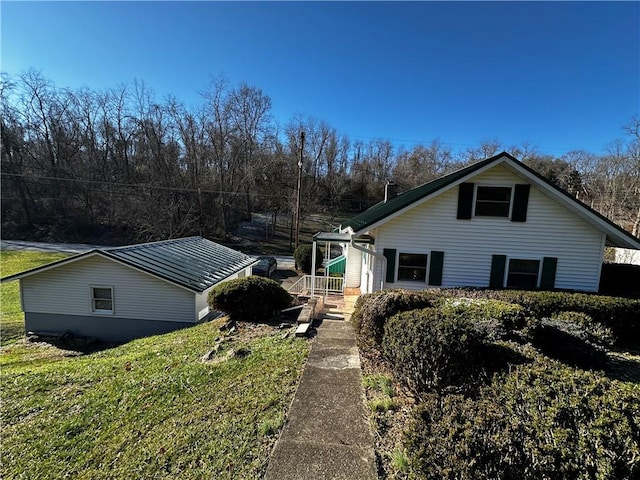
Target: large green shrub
{"type": "Point", "coordinates": [373, 310]}
{"type": "Point", "coordinates": [250, 299]}
{"type": "Point", "coordinates": [563, 339]}
{"type": "Point", "coordinates": [430, 349]}
{"type": "Point", "coordinates": [498, 318]}
{"type": "Point", "coordinates": [618, 314]}
{"type": "Point", "coordinates": [540, 421]}
{"type": "Point", "coordinates": [303, 257]}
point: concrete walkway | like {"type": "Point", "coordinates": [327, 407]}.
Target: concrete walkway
{"type": "Point", "coordinates": [327, 434]}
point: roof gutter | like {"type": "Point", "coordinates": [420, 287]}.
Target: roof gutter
{"type": "Point", "coordinates": [374, 254]}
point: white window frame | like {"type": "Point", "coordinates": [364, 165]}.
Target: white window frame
{"type": "Point", "coordinates": [475, 200]}
{"type": "Point", "coordinates": [92, 298]}
{"type": "Point", "coordinates": [532, 259]}
{"type": "Point", "coordinates": [426, 267]}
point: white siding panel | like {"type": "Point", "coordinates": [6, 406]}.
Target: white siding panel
{"type": "Point", "coordinates": [66, 290]}
{"type": "Point", "coordinates": [353, 268]}
{"type": "Point", "coordinates": [550, 230]}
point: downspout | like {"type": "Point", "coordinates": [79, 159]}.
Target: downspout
{"type": "Point", "coordinates": [375, 254]}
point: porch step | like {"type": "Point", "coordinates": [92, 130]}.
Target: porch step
{"type": "Point", "coordinates": [303, 329]}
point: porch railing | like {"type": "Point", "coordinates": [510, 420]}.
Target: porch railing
{"type": "Point", "coordinates": [321, 285]}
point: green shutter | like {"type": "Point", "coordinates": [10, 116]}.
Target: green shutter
{"type": "Point", "coordinates": [465, 201]}
{"type": "Point", "coordinates": [435, 270]}
{"type": "Point", "coordinates": [548, 278]}
{"type": "Point", "coordinates": [520, 203]}
{"type": "Point", "coordinates": [498, 264]}
{"type": "Point", "coordinates": [390, 255]}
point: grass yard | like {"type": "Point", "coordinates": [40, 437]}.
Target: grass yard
{"type": "Point", "coordinates": [11, 316]}
{"type": "Point", "coordinates": [151, 408]}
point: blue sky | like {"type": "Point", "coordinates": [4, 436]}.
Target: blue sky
{"type": "Point", "coordinates": [562, 76]}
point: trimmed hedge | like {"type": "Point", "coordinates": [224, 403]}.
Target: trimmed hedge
{"type": "Point", "coordinates": [251, 299]}
{"type": "Point", "coordinates": [569, 343]}
{"type": "Point", "coordinates": [303, 256]}
{"type": "Point", "coordinates": [498, 319]}
{"type": "Point", "coordinates": [372, 311]}
{"type": "Point", "coordinates": [619, 314]}
{"type": "Point", "coordinates": [539, 421]}
{"type": "Point", "coordinates": [429, 349]}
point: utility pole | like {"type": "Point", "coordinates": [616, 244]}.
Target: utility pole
{"type": "Point", "coordinates": [297, 236]}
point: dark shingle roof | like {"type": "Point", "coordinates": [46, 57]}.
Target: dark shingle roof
{"type": "Point", "coordinates": [194, 262]}
{"type": "Point", "coordinates": [384, 209]}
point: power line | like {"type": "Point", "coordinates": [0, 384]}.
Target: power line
{"type": "Point", "coordinates": [137, 185]}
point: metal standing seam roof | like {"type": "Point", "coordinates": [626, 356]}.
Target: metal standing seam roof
{"type": "Point", "coordinates": [193, 262]}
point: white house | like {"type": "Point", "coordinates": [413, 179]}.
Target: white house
{"type": "Point", "coordinates": [122, 293]}
{"type": "Point", "coordinates": [625, 255]}
{"type": "Point", "coordinates": [496, 223]}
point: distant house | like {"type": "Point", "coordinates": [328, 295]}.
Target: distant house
{"type": "Point", "coordinates": [118, 294]}
{"type": "Point", "coordinates": [625, 255]}
{"type": "Point", "coordinates": [496, 223]}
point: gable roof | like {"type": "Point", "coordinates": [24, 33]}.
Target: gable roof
{"type": "Point", "coordinates": [194, 263]}
{"type": "Point", "coordinates": [383, 211]}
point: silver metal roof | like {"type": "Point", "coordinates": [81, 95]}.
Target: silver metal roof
{"type": "Point", "coordinates": [193, 262]}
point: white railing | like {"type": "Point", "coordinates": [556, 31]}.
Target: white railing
{"type": "Point", "coordinates": [321, 285]}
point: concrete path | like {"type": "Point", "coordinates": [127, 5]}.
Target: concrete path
{"type": "Point", "coordinates": [327, 434]}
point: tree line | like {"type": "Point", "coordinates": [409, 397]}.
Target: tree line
{"type": "Point", "coordinates": [121, 165]}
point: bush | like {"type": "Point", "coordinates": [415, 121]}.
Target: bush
{"type": "Point", "coordinates": [250, 299]}
{"type": "Point", "coordinates": [430, 349]}
{"type": "Point", "coordinates": [562, 339]}
{"type": "Point", "coordinates": [303, 257]}
{"type": "Point", "coordinates": [497, 318]}
{"type": "Point", "coordinates": [593, 332]}
{"type": "Point", "coordinates": [372, 310]}
{"type": "Point", "coordinates": [618, 314]}
{"type": "Point", "coordinates": [539, 421]}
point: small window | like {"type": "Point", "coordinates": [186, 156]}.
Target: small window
{"type": "Point", "coordinates": [493, 201]}
{"type": "Point", "coordinates": [412, 267]}
{"type": "Point", "coordinates": [102, 299]}
{"type": "Point", "coordinates": [523, 273]}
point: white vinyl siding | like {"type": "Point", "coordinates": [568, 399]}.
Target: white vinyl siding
{"type": "Point", "coordinates": [353, 268]}
{"type": "Point", "coordinates": [66, 290]}
{"type": "Point", "coordinates": [551, 230]}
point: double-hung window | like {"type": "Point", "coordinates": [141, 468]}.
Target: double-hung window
{"type": "Point", "coordinates": [412, 267]}
{"type": "Point", "coordinates": [102, 299]}
{"type": "Point", "coordinates": [523, 273]}
{"type": "Point", "coordinates": [493, 201]}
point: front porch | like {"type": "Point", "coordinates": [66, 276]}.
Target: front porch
{"type": "Point", "coordinates": [312, 285]}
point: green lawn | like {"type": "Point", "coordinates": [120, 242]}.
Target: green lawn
{"type": "Point", "coordinates": [150, 408]}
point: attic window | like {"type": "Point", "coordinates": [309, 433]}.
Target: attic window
{"type": "Point", "coordinates": [493, 201]}
{"type": "Point", "coordinates": [102, 300]}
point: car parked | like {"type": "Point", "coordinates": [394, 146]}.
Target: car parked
{"type": "Point", "coordinates": [265, 267]}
